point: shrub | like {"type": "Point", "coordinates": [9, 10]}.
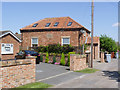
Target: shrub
{"type": "Point", "coordinates": [47, 58]}
{"type": "Point", "coordinates": [41, 58]}
{"type": "Point", "coordinates": [55, 48]}
{"type": "Point", "coordinates": [54, 59]}
{"type": "Point", "coordinates": [62, 61]}
{"type": "Point", "coordinates": [68, 63]}
{"type": "Point", "coordinates": [66, 49]}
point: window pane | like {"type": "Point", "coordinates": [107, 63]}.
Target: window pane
{"type": "Point", "coordinates": [69, 24]}
{"type": "Point", "coordinates": [34, 40]}
{"type": "Point", "coordinates": [66, 41]}
{"type": "Point", "coordinates": [47, 25]}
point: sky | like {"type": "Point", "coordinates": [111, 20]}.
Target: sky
{"type": "Point", "coordinates": [16, 15]}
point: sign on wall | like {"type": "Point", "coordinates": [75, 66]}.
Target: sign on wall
{"type": "Point", "coordinates": [6, 48]}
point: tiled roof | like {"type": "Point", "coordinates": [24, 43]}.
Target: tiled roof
{"type": "Point", "coordinates": [3, 33]}
{"type": "Point", "coordinates": [63, 21]}
{"type": "Point", "coordinates": [95, 40]}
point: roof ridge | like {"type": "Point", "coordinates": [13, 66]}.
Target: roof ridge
{"type": "Point", "coordinates": [56, 17]}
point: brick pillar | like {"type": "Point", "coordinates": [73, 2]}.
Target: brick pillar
{"type": "Point", "coordinates": [102, 57]}
{"type": "Point", "coordinates": [77, 62]}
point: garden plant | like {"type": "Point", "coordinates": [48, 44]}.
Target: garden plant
{"type": "Point", "coordinates": [62, 61]}
{"type": "Point", "coordinates": [47, 58]}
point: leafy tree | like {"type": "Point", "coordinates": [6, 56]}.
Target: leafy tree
{"type": "Point", "coordinates": [54, 59]}
{"type": "Point", "coordinates": [47, 58]}
{"type": "Point", "coordinates": [68, 63]}
{"type": "Point", "coordinates": [62, 61]}
{"type": "Point", "coordinates": [107, 44]}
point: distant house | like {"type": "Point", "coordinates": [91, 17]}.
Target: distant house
{"type": "Point", "coordinates": [9, 46]}
{"type": "Point", "coordinates": [58, 30]}
{"type": "Point", "coordinates": [96, 47]}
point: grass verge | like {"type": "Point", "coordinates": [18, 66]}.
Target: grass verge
{"type": "Point", "coordinates": [88, 70]}
{"type": "Point", "coordinates": [33, 85]}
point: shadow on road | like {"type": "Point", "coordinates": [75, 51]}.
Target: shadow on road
{"type": "Point", "coordinates": [113, 75]}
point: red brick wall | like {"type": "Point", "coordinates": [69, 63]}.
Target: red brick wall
{"type": "Point", "coordinates": [77, 62]}
{"type": "Point", "coordinates": [10, 39]}
{"type": "Point", "coordinates": [55, 37]}
{"type": "Point", "coordinates": [15, 76]}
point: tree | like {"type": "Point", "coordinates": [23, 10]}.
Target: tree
{"type": "Point", "coordinates": [62, 61]}
{"type": "Point", "coordinates": [107, 44]}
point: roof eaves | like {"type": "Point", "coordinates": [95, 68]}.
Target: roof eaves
{"type": "Point", "coordinates": [11, 34]}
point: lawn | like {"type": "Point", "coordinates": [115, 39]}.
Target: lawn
{"type": "Point", "coordinates": [33, 85]}
{"type": "Point", "coordinates": [88, 70]}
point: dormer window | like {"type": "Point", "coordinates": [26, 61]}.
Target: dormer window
{"type": "Point", "coordinates": [47, 25]}
{"type": "Point", "coordinates": [35, 25]}
{"type": "Point", "coordinates": [56, 24]}
{"type": "Point", "coordinates": [69, 24]}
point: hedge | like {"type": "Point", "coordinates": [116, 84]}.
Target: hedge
{"type": "Point", "coordinates": [55, 48]}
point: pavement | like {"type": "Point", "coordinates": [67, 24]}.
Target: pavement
{"type": "Point", "coordinates": [107, 77]}
{"type": "Point", "coordinates": [62, 77]}
{"type": "Point", "coordinates": [54, 74]}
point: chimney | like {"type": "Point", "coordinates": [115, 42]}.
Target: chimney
{"type": "Point", "coordinates": [16, 33]}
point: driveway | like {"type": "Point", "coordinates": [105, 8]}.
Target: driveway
{"type": "Point", "coordinates": [107, 77]}
{"type": "Point", "coordinates": [54, 74]}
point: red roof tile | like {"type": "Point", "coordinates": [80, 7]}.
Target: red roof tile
{"type": "Point", "coordinates": [63, 21]}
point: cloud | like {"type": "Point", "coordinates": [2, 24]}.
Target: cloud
{"type": "Point", "coordinates": [116, 24]}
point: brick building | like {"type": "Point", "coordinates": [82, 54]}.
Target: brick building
{"type": "Point", "coordinates": [62, 30]}
{"type": "Point", "coordinates": [96, 47]}
{"type": "Point", "coordinates": [9, 45]}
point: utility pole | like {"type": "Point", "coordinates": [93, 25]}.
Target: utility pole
{"type": "Point", "coordinates": [92, 33]}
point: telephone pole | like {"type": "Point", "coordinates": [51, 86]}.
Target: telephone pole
{"type": "Point", "coordinates": [92, 33]}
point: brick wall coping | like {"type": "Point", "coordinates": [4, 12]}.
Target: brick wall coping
{"type": "Point", "coordinates": [78, 56]}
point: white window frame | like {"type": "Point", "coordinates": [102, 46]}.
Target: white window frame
{"type": "Point", "coordinates": [31, 41]}
{"type": "Point", "coordinates": [65, 37]}
{"type": "Point", "coordinates": [3, 50]}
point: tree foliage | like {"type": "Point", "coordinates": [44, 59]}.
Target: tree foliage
{"type": "Point", "coordinates": [107, 44]}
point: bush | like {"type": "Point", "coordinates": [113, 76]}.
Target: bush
{"type": "Point", "coordinates": [47, 58]}
{"type": "Point", "coordinates": [41, 58]}
{"type": "Point", "coordinates": [62, 61]}
{"type": "Point", "coordinates": [68, 63]}
{"type": "Point", "coordinates": [54, 59]}
{"type": "Point", "coordinates": [55, 48]}
{"type": "Point", "coordinates": [107, 44]}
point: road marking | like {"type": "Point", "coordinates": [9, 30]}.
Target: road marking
{"type": "Point", "coordinates": [39, 71]}
{"type": "Point", "coordinates": [69, 80]}
{"type": "Point", "coordinates": [54, 76]}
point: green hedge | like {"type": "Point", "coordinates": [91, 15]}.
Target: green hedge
{"type": "Point", "coordinates": [68, 63]}
{"type": "Point", "coordinates": [55, 48]}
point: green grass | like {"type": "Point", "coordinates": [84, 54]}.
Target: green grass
{"type": "Point", "coordinates": [88, 70]}
{"type": "Point", "coordinates": [33, 85]}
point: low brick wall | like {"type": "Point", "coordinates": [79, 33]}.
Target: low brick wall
{"type": "Point", "coordinates": [77, 62]}
{"type": "Point", "coordinates": [58, 58]}
{"type": "Point", "coordinates": [15, 76]}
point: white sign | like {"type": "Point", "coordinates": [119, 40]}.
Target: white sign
{"type": "Point", "coordinates": [6, 48]}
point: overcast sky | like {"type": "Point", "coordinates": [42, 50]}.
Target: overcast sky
{"type": "Point", "coordinates": [19, 14]}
